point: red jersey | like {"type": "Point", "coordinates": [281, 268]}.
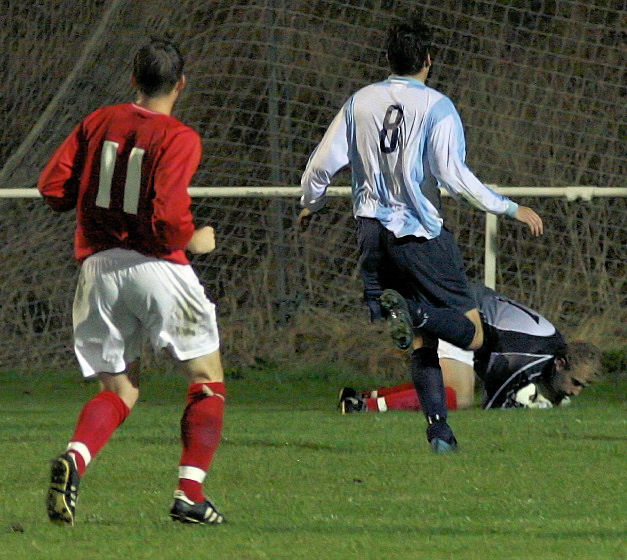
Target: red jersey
{"type": "Point", "coordinates": [126, 170]}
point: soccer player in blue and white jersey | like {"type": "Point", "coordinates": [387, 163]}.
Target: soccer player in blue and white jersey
{"type": "Point", "coordinates": [404, 140]}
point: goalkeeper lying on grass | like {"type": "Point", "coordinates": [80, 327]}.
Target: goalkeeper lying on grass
{"type": "Point", "coordinates": [524, 362]}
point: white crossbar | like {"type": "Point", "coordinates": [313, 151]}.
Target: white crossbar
{"type": "Point", "coordinates": [491, 223]}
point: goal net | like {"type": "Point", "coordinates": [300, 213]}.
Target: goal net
{"type": "Point", "coordinates": [539, 86]}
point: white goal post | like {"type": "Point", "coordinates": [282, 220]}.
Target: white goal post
{"type": "Point", "coordinates": [571, 193]}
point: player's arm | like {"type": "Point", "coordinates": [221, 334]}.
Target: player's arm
{"type": "Point", "coordinates": [495, 383]}
{"type": "Point", "coordinates": [327, 159]}
{"type": "Point", "coordinates": [60, 179]}
{"type": "Point", "coordinates": [447, 155]}
{"type": "Point", "coordinates": [172, 221]}
{"type": "Point", "coordinates": [514, 386]}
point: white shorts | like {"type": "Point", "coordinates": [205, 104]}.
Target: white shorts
{"type": "Point", "coordinates": [447, 350]}
{"type": "Point", "coordinates": [123, 295]}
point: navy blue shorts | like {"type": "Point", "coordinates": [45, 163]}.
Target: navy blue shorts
{"type": "Point", "coordinates": [420, 269]}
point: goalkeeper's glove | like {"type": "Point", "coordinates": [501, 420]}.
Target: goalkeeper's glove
{"type": "Point", "coordinates": [530, 397]}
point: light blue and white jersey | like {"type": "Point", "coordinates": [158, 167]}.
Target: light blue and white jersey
{"type": "Point", "coordinates": [403, 140]}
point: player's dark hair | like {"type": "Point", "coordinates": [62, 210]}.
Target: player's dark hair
{"type": "Point", "coordinates": [579, 352]}
{"type": "Point", "coordinates": [408, 44]}
{"type": "Point", "coordinates": [157, 67]}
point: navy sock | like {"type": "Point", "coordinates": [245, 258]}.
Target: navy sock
{"type": "Point", "coordinates": [427, 377]}
{"type": "Point", "coordinates": [371, 299]}
{"type": "Point", "coordinates": [443, 322]}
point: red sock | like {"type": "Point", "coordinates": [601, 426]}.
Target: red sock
{"type": "Point", "coordinates": [407, 400]}
{"type": "Point", "coordinates": [201, 430]}
{"type": "Point", "coordinates": [391, 390]}
{"type": "Point", "coordinates": [400, 400]}
{"type": "Point", "coordinates": [96, 423]}
{"type": "Point", "coordinates": [451, 398]}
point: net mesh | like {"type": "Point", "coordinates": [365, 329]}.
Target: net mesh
{"type": "Point", "coordinates": [540, 90]}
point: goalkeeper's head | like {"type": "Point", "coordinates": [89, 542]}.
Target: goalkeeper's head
{"type": "Point", "coordinates": [409, 46]}
{"type": "Point", "coordinates": [158, 68]}
{"type": "Point", "coordinates": [575, 370]}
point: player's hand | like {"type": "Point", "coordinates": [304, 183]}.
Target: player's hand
{"type": "Point", "coordinates": [203, 241]}
{"type": "Point", "coordinates": [527, 216]}
{"type": "Point", "coordinates": [304, 218]}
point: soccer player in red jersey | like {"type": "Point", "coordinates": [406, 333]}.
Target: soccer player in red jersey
{"type": "Point", "coordinates": [126, 169]}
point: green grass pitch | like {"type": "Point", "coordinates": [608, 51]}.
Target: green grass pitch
{"type": "Point", "coordinates": [295, 479]}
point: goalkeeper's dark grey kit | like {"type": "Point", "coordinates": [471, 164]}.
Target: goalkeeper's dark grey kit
{"type": "Point", "coordinates": [519, 348]}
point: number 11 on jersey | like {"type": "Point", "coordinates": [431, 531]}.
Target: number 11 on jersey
{"type": "Point", "coordinates": [132, 183]}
